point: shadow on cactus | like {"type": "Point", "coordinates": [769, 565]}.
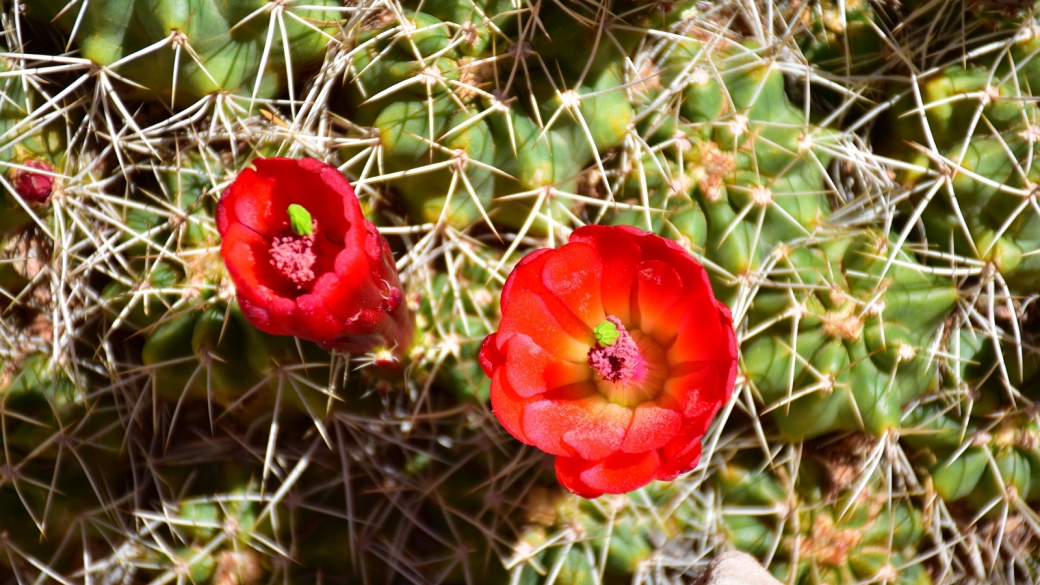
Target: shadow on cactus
{"type": "Point", "coordinates": [979, 442]}
{"type": "Point", "coordinates": [808, 532]}
{"type": "Point", "coordinates": [33, 151]}
{"type": "Point", "coordinates": [967, 154]}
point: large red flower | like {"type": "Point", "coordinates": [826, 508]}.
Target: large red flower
{"type": "Point", "coordinates": [613, 355]}
{"type": "Point", "coordinates": [306, 262]}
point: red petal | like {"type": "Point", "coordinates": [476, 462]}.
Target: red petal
{"type": "Point", "coordinates": [602, 433]}
{"type": "Point", "coordinates": [528, 314]}
{"type": "Point", "coordinates": [568, 471]}
{"type": "Point", "coordinates": [351, 304]}
{"type": "Point", "coordinates": [669, 322]}
{"type": "Point", "coordinates": [249, 201]}
{"type": "Point", "coordinates": [573, 274]}
{"type": "Point", "coordinates": [341, 299]}
{"type": "Point", "coordinates": [313, 321]}
{"type": "Point", "coordinates": [620, 254]}
{"type": "Point", "coordinates": [701, 394]}
{"type": "Point", "coordinates": [490, 358]}
{"type": "Point", "coordinates": [546, 421]}
{"type": "Point", "coordinates": [350, 288]}
{"type": "Point", "coordinates": [249, 264]}
{"type": "Point", "coordinates": [679, 456]}
{"type": "Point", "coordinates": [335, 181]}
{"type": "Point", "coordinates": [258, 316]}
{"type": "Point", "coordinates": [696, 286]}
{"type": "Point", "coordinates": [527, 278]}
{"type": "Point", "coordinates": [658, 288]}
{"type": "Point", "coordinates": [622, 472]}
{"type": "Point", "coordinates": [702, 337]}
{"type": "Point", "coordinates": [726, 319]}
{"type": "Point", "coordinates": [508, 406]}
{"type": "Point", "coordinates": [283, 313]}
{"type": "Point", "coordinates": [697, 395]}
{"type": "Point", "coordinates": [693, 275]}
{"type": "Point", "coordinates": [307, 182]}
{"type": "Point", "coordinates": [531, 370]}
{"type": "Point", "coordinates": [653, 246]}
{"type": "Point", "coordinates": [524, 276]}
{"type": "Point", "coordinates": [652, 427]}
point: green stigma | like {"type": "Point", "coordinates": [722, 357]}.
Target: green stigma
{"type": "Point", "coordinates": [300, 220]}
{"type": "Point", "coordinates": [606, 333]}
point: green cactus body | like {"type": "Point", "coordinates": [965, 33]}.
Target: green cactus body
{"type": "Point", "coordinates": [405, 134]}
{"type": "Point", "coordinates": [55, 448]}
{"type": "Point", "coordinates": [982, 465]}
{"type": "Point", "coordinates": [861, 339]}
{"type": "Point", "coordinates": [573, 535]}
{"type": "Point", "coordinates": [482, 116]}
{"type": "Point", "coordinates": [846, 42]}
{"type": "Point", "coordinates": [680, 219]}
{"type": "Point", "coordinates": [983, 451]}
{"type": "Point", "coordinates": [459, 313]}
{"type": "Point", "coordinates": [980, 116]}
{"type": "Point", "coordinates": [195, 47]}
{"type": "Point", "coordinates": [869, 541]}
{"type": "Point", "coordinates": [883, 426]}
{"type": "Point", "coordinates": [212, 354]}
{"type": "Point", "coordinates": [743, 153]}
{"type": "Point", "coordinates": [216, 537]}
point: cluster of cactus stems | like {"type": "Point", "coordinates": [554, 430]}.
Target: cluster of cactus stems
{"type": "Point", "coordinates": [858, 179]}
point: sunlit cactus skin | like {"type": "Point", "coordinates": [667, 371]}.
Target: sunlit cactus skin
{"type": "Point", "coordinates": [744, 168]}
{"type": "Point", "coordinates": [861, 348]}
{"type": "Point", "coordinates": [487, 141]}
{"type": "Point", "coordinates": [193, 48]}
{"type": "Point", "coordinates": [964, 462]}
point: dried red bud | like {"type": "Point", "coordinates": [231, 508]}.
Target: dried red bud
{"type": "Point", "coordinates": [34, 187]}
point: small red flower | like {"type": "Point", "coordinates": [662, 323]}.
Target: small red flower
{"type": "Point", "coordinates": [33, 186]}
{"type": "Point", "coordinates": [613, 355]}
{"type": "Point", "coordinates": [306, 262]}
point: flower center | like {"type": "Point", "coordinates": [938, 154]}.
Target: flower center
{"type": "Point", "coordinates": [630, 367]}
{"type": "Point", "coordinates": [293, 254]}
{"type": "Point", "coordinates": [616, 356]}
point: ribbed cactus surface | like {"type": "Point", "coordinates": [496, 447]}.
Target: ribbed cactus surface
{"type": "Point", "coordinates": [168, 49]}
{"type": "Point", "coordinates": [856, 177]}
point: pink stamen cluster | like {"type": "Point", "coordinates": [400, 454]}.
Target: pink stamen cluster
{"type": "Point", "coordinates": [293, 256]}
{"type": "Point", "coordinates": [616, 362]}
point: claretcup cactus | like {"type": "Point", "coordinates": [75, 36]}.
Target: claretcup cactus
{"type": "Point", "coordinates": [882, 413]}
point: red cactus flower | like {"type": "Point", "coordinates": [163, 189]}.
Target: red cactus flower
{"type": "Point", "coordinates": [33, 186]}
{"type": "Point", "coordinates": [306, 262]}
{"type": "Point", "coordinates": [613, 355]}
